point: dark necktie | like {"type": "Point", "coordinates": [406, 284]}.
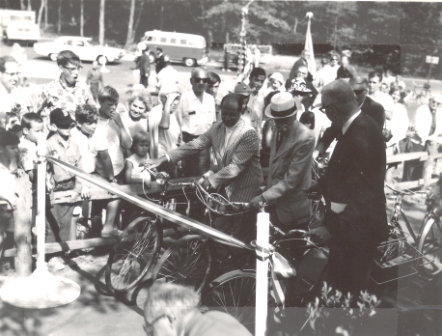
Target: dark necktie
{"type": "Point", "coordinates": [339, 135]}
{"type": "Point", "coordinates": [279, 140]}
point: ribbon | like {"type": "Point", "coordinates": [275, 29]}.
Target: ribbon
{"type": "Point", "coordinates": [280, 268]}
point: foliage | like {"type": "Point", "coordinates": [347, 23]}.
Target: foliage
{"type": "Point", "coordinates": [322, 319]}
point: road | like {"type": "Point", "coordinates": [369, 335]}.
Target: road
{"type": "Point", "coordinates": [41, 70]}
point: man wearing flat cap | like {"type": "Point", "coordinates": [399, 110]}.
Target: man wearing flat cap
{"type": "Point", "coordinates": [353, 186]}
{"type": "Point", "coordinates": [250, 117]}
{"type": "Point", "coordinates": [291, 152]}
{"type": "Point", "coordinates": [367, 106]}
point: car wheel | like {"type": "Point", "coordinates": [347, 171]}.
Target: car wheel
{"type": "Point", "coordinates": [102, 60]}
{"type": "Point", "coordinates": [189, 62]}
{"type": "Point", "coordinates": [53, 57]}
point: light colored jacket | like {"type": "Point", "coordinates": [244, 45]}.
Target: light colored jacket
{"type": "Point", "coordinates": [240, 171]}
{"type": "Point", "coordinates": [290, 173]}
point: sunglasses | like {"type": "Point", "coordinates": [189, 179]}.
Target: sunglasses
{"type": "Point", "coordinates": [201, 80]}
{"type": "Point", "coordinates": [72, 69]}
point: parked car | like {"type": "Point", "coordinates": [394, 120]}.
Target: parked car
{"type": "Point", "coordinates": [82, 46]}
{"type": "Point", "coordinates": [187, 48]}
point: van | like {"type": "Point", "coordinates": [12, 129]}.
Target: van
{"type": "Point", "coordinates": [19, 25]}
{"type": "Point", "coordinates": [187, 48]}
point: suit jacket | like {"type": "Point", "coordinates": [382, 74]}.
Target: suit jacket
{"type": "Point", "coordinates": [159, 63]}
{"type": "Point", "coordinates": [369, 107]}
{"type": "Point", "coordinates": [144, 64]}
{"type": "Point", "coordinates": [240, 172]}
{"type": "Point", "coordinates": [290, 173]}
{"type": "Point", "coordinates": [355, 177]}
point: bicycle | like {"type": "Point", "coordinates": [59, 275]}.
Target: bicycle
{"type": "Point", "coordinates": [419, 256]}
{"type": "Point", "coordinates": [235, 292]}
{"type": "Point", "coordinates": [140, 245]}
{"type": "Point", "coordinates": [181, 257]}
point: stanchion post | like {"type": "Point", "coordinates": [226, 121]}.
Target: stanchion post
{"type": "Point", "coordinates": [262, 282]}
{"type": "Point", "coordinates": [40, 220]}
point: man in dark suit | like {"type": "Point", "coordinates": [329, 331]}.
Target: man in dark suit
{"type": "Point", "coordinates": [302, 61]}
{"type": "Point", "coordinates": [367, 106]}
{"type": "Point", "coordinates": [355, 220]}
{"type": "Point", "coordinates": [160, 63]}
{"type": "Point", "coordinates": [290, 166]}
{"type": "Point", "coordinates": [144, 66]}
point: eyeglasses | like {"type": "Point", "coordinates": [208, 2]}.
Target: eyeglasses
{"type": "Point", "coordinates": [201, 80]}
{"type": "Point", "coordinates": [324, 108]}
{"type": "Point", "coordinates": [12, 74]}
{"type": "Point", "coordinates": [72, 69]}
{"type": "Point", "coordinates": [149, 327]}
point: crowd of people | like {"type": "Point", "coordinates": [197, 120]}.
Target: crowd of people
{"type": "Point", "coordinates": [265, 120]}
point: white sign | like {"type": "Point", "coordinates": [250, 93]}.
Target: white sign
{"type": "Point", "coordinates": [432, 60]}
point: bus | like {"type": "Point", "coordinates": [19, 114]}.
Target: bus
{"type": "Point", "coordinates": [187, 48]}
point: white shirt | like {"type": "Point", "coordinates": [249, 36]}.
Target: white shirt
{"type": "Point", "coordinates": [349, 122]}
{"type": "Point", "coordinates": [168, 138]}
{"type": "Point", "coordinates": [195, 117]}
{"type": "Point", "coordinates": [167, 77]}
{"type": "Point", "coordinates": [384, 99]}
{"type": "Point", "coordinates": [327, 74]}
{"type": "Point", "coordinates": [90, 146]}
{"type": "Point", "coordinates": [28, 154]}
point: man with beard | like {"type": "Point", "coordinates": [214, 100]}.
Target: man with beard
{"type": "Point", "coordinates": [67, 92]}
{"type": "Point", "coordinates": [236, 148]}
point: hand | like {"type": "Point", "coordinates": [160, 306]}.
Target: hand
{"type": "Point", "coordinates": [154, 163]}
{"type": "Point", "coordinates": [206, 184]}
{"type": "Point", "coordinates": [257, 202]}
{"type": "Point", "coordinates": [85, 193]}
{"type": "Point", "coordinates": [320, 234]}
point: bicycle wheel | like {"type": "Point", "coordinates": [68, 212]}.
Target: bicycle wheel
{"type": "Point", "coordinates": [133, 254]}
{"type": "Point", "coordinates": [235, 294]}
{"type": "Point", "coordinates": [186, 262]}
{"type": "Point", "coordinates": [429, 245]}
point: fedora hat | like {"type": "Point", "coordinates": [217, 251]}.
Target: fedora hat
{"type": "Point", "coordinates": [282, 105]}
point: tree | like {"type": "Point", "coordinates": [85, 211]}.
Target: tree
{"type": "Point", "coordinates": [40, 12]}
{"type": "Point", "coordinates": [101, 23]}
{"type": "Point", "coordinates": [130, 33]}
{"type": "Point", "coordinates": [59, 17]}
{"type": "Point", "coordinates": [81, 18]}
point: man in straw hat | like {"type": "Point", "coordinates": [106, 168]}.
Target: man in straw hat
{"type": "Point", "coordinates": [291, 152]}
{"type": "Point", "coordinates": [355, 220]}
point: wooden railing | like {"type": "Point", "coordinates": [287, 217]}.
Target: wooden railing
{"type": "Point", "coordinates": [136, 189]}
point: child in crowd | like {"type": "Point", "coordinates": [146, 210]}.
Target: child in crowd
{"type": "Point", "coordinates": [140, 153]}
{"type": "Point", "coordinates": [308, 119]}
{"type": "Point", "coordinates": [62, 225]}
{"type": "Point", "coordinates": [110, 166]}
{"type": "Point", "coordinates": [91, 139]}
{"type": "Point", "coordinates": [32, 125]}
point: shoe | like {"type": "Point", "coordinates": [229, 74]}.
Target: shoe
{"type": "Point", "coordinates": [56, 264]}
{"type": "Point", "coordinates": [111, 233]}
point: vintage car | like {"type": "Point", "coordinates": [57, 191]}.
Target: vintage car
{"type": "Point", "coordinates": [82, 46]}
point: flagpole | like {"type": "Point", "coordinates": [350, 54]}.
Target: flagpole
{"type": "Point", "coordinates": [309, 45]}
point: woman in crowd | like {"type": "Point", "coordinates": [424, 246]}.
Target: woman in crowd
{"type": "Point", "coordinates": [398, 124]}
